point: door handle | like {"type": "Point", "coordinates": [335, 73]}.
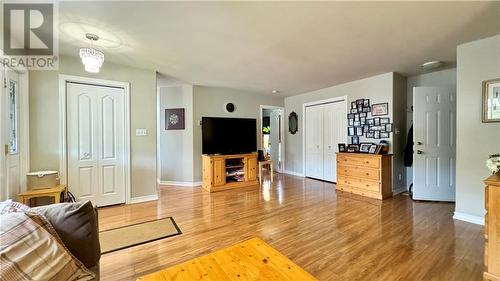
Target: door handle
{"type": "Point", "coordinates": [419, 143]}
{"type": "Point", "coordinates": [420, 152]}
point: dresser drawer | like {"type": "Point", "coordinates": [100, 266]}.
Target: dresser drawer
{"type": "Point", "coordinates": [359, 172]}
{"type": "Point", "coordinates": [359, 183]}
{"type": "Point", "coordinates": [358, 160]}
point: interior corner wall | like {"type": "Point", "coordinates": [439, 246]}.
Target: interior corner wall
{"type": "Point", "coordinates": [210, 102]}
{"type": "Point", "coordinates": [476, 62]}
{"type": "Point", "coordinates": [176, 146]}
{"type": "Point", "coordinates": [446, 78]}
{"type": "Point", "coordinates": [44, 118]}
{"type": "Point", "coordinates": [399, 136]}
{"type": "Point", "coordinates": [379, 89]}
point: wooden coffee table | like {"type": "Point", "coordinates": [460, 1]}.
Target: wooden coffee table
{"type": "Point", "coordinates": [249, 260]}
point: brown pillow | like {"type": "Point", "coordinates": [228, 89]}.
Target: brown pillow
{"type": "Point", "coordinates": [76, 224]}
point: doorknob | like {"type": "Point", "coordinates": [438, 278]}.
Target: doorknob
{"type": "Point", "coordinates": [419, 152]}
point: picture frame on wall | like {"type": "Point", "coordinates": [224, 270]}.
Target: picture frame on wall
{"type": "Point", "coordinates": [491, 101]}
{"type": "Point", "coordinates": [350, 131]}
{"type": "Point", "coordinates": [354, 110]}
{"type": "Point", "coordinates": [376, 121]}
{"type": "Point", "coordinates": [359, 131]}
{"type": "Point", "coordinates": [384, 135]}
{"type": "Point", "coordinates": [370, 135]}
{"type": "Point", "coordinates": [388, 127]}
{"type": "Point", "coordinates": [380, 109]}
{"type": "Point", "coordinates": [370, 121]}
{"type": "Point", "coordinates": [174, 119]}
{"type": "Point", "coordinates": [384, 121]}
{"type": "Point", "coordinates": [355, 140]}
{"type": "Point", "coordinates": [376, 134]}
{"type": "Point", "coordinates": [351, 122]}
{"type": "Point", "coordinates": [353, 105]}
{"type": "Point", "coordinates": [366, 103]}
{"type": "Point", "coordinates": [366, 109]}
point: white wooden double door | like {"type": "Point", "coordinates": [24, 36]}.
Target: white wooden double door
{"type": "Point", "coordinates": [326, 127]}
{"type": "Point", "coordinates": [96, 143]}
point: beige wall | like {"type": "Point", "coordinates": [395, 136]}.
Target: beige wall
{"type": "Point", "coordinates": [176, 146]}
{"type": "Point", "coordinates": [476, 61]}
{"type": "Point", "coordinates": [44, 118]}
{"type": "Point", "coordinates": [210, 101]}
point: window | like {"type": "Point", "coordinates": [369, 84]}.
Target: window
{"type": "Point", "coordinates": [13, 105]}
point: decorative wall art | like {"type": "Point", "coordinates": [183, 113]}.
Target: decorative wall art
{"type": "Point", "coordinates": [174, 119]}
{"type": "Point", "coordinates": [362, 123]}
{"type": "Point", "coordinates": [380, 109]}
{"type": "Point", "coordinates": [491, 101]}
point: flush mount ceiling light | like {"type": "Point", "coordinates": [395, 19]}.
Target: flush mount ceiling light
{"type": "Point", "coordinates": [430, 65]}
{"type": "Point", "coordinates": [92, 58]}
{"type": "Point", "coordinates": [275, 91]}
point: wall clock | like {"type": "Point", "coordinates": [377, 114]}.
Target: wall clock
{"type": "Point", "coordinates": [230, 107]}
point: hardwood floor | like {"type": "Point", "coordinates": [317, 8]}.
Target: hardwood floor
{"type": "Point", "coordinates": [332, 235]}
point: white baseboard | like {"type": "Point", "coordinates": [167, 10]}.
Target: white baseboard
{"type": "Point", "coordinates": [293, 173]}
{"type": "Point", "coordinates": [468, 218]}
{"type": "Point", "coordinates": [180, 183]}
{"type": "Point", "coordinates": [140, 199]}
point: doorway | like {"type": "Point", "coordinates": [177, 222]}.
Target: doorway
{"type": "Point", "coordinates": [434, 146]}
{"type": "Point", "coordinates": [271, 135]}
{"type": "Point", "coordinates": [95, 158]}
{"type": "Point", "coordinates": [325, 126]}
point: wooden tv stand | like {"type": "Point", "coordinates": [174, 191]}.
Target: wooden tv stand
{"type": "Point", "coordinates": [222, 172]}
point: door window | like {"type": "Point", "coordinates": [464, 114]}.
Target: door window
{"type": "Point", "coordinates": [13, 118]}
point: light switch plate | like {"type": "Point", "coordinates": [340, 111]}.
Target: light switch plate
{"type": "Point", "coordinates": [141, 132]}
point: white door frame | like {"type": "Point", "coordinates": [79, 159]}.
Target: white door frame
{"type": "Point", "coordinates": [313, 103]}
{"type": "Point", "coordinates": [262, 107]}
{"type": "Point", "coordinates": [23, 123]}
{"type": "Point", "coordinates": [63, 157]}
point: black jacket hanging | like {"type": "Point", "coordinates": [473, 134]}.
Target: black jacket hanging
{"type": "Point", "coordinates": [408, 152]}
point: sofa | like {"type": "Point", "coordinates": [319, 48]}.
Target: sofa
{"type": "Point", "coordinates": [77, 226]}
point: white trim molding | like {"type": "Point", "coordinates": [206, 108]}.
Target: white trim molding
{"type": "Point", "coordinates": [180, 183]}
{"type": "Point", "coordinates": [141, 199]}
{"type": "Point", "coordinates": [63, 160]}
{"type": "Point", "coordinates": [294, 173]}
{"type": "Point", "coordinates": [282, 132]}
{"type": "Point", "coordinates": [468, 218]}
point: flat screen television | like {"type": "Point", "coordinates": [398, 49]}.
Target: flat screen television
{"type": "Point", "coordinates": [228, 135]}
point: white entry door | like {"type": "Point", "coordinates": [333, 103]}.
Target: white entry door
{"type": "Point", "coordinates": [96, 143]}
{"type": "Point", "coordinates": [10, 167]}
{"type": "Point", "coordinates": [275, 138]}
{"type": "Point", "coordinates": [334, 132]}
{"type": "Point", "coordinates": [314, 142]}
{"type": "Point", "coordinates": [434, 143]}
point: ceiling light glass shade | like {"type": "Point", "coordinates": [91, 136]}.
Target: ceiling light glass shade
{"type": "Point", "coordinates": [92, 59]}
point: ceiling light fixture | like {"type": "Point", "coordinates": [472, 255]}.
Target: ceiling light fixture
{"type": "Point", "coordinates": [275, 91]}
{"type": "Point", "coordinates": [430, 65]}
{"type": "Point", "coordinates": [92, 58]}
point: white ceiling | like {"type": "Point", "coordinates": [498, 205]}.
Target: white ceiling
{"type": "Point", "coordinates": [295, 47]}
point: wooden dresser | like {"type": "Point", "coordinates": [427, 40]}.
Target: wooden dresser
{"type": "Point", "coordinates": [492, 228]}
{"type": "Point", "coordinates": [365, 174]}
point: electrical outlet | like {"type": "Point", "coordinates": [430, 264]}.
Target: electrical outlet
{"type": "Point", "coordinates": [141, 132]}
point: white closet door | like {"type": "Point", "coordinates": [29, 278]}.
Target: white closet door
{"type": "Point", "coordinates": [96, 148]}
{"type": "Point", "coordinates": [334, 132]}
{"type": "Point", "coordinates": [314, 142]}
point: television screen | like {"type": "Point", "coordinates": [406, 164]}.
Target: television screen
{"type": "Point", "coordinates": [228, 135]}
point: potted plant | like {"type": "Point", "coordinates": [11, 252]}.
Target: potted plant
{"type": "Point", "coordinates": [493, 163]}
